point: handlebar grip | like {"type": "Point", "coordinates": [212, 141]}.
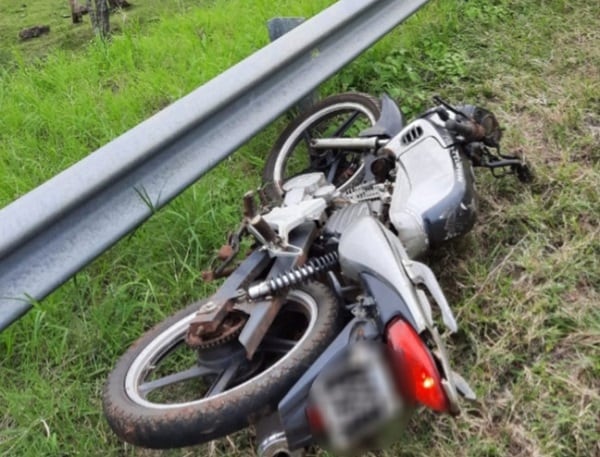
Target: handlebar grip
{"type": "Point", "coordinates": [470, 130]}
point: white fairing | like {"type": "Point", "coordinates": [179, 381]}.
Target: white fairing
{"type": "Point", "coordinates": [287, 218]}
{"type": "Point", "coordinates": [368, 246]}
{"type": "Point", "coordinates": [425, 176]}
{"type": "Point", "coordinates": [305, 199]}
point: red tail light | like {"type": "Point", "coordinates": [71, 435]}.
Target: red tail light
{"type": "Point", "coordinates": [414, 369]}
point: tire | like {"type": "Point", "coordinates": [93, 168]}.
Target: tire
{"type": "Point", "coordinates": [144, 422]}
{"type": "Point", "coordinates": [291, 154]}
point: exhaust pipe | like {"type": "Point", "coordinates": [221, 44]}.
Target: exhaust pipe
{"type": "Point", "coordinates": [271, 439]}
{"type": "Point", "coordinates": [275, 445]}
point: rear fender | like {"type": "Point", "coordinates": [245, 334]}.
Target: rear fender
{"type": "Point", "coordinates": [389, 303]}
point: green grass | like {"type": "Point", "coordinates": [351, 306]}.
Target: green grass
{"type": "Point", "coordinates": [16, 16]}
{"type": "Point", "coordinates": [524, 284]}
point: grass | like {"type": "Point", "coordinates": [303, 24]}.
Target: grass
{"type": "Point", "coordinates": [524, 284]}
{"type": "Point", "coordinates": [15, 16]}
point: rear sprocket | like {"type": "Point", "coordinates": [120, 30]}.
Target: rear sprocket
{"type": "Point", "coordinates": [227, 331]}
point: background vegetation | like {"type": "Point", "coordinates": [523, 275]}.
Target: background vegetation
{"type": "Point", "coordinates": [524, 284]}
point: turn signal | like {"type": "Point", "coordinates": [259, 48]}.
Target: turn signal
{"type": "Point", "coordinates": [415, 371]}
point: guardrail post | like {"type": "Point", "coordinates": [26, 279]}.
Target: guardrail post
{"type": "Point", "coordinates": [279, 26]}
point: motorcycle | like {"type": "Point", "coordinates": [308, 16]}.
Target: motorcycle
{"type": "Point", "coordinates": [328, 330]}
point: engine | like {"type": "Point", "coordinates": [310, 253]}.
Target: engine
{"type": "Point", "coordinates": [369, 199]}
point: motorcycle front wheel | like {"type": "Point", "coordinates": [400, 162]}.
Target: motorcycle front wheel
{"type": "Point", "coordinates": [163, 394]}
{"type": "Point", "coordinates": [341, 116]}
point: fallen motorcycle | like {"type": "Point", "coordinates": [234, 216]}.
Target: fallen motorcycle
{"type": "Point", "coordinates": [327, 331]}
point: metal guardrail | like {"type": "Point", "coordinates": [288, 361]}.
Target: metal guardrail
{"type": "Point", "coordinates": [52, 232]}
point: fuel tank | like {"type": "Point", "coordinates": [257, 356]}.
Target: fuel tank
{"type": "Point", "coordinates": [434, 197]}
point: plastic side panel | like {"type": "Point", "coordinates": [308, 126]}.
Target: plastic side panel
{"type": "Point", "coordinates": [368, 247]}
{"type": "Point", "coordinates": [388, 302]}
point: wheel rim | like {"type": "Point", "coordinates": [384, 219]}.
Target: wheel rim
{"type": "Point", "coordinates": [346, 110]}
{"type": "Point", "coordinates": [221, 379]}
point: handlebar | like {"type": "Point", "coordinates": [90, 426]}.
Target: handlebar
{"type": "Point", "coordinates": [474, 124]}
{"type": "Point", "coordinates": [469, 129]}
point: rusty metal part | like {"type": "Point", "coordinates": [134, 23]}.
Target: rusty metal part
{"type": "Point", "coordinates": [228, 252]}
{"type": "Point", "coordinates": [212, 312]}
{"type": "Point", "coordinates": [211, 275]}
{"type": "Point", "coordinates": [263, 228]}
{"type": "Point", "coordinates": [249, 205]}
{"type": "Point", "coordinates": [225, 252]}
{"type": "Point", "coordinates": [262, 315]}
{"type": "Point", "coordinates": [386, 152]}
{"type": "Point", "coordinates": [381, 167]}
{"type": "Point", "coordinates": [209, 317]}
{"type": "Point", "coordinates": [347, 172]}
{"type": "Point", "coordinates": [208, 275]}
{"type": "Point", "coordinates": [230, 328]}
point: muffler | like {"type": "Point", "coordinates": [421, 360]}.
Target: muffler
{"type": "Point", "coordinates": [271, 439]}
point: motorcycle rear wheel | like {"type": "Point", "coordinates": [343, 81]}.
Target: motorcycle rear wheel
{"type": "Point", "coordinates": [221, 392]}
{"type": "Point", "coordinates": [343, 115]}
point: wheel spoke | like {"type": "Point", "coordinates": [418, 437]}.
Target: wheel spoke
{"type": "Point", "coordinates": [307, 139]}
{"type": "Point", "coordinates": [323, 160]}
{"type": "Point", "coordinates": [346, 125]}
{"type": "Point", "coordinates": [174, 378]}
{"type": "Point", "coordinates": [223, 380]}
{"type": "Point", "coordinates": [315, 164]}
{"type": "Point", "coordinates": [277, 345]}
{"type": "Point", "coordinates": [333, 170]}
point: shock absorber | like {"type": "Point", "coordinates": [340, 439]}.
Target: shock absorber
{"type": "Point", "coordinates": [295, 276]}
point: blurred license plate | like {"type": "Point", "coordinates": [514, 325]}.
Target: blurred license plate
{"type": "Point", "coordinates": [356, 397]}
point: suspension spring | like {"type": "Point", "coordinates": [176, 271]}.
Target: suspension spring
{"type": "Point", "coordinates": [295, 276]}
